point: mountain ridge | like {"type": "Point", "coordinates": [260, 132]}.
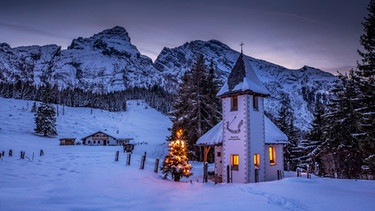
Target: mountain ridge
{"type": "Point", "coordinates": [108, 61]}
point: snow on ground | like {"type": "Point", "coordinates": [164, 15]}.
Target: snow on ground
{"type": "Point", "coordinates": [88, 178]}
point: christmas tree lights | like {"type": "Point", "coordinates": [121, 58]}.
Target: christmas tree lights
{"type": "Point", "coordinates": [176, 162]}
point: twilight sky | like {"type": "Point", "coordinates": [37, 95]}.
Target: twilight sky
{"type": "Point", "coordinates": [292, 33]}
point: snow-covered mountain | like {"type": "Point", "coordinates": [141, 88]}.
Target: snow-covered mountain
{"type": "Point", "coordinates": [301, 86]}
{"type": "Point", "coordinates": [108, 61]}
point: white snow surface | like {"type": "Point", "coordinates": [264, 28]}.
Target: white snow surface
{"type": "Point", "coordinates": [273, 135]}
{"type": "Point", "coordinates": [88, 178]}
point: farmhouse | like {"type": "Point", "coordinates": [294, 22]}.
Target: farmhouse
{"type": "Point", "coordinates": [101, 138]}
{"type": "Point", "coordinates": [248, 146]}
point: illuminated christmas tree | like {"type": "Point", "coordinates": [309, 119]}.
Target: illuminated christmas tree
{"type": "Point", "coordinates": [176, 162]}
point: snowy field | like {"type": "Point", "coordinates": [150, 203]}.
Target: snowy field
{"type": "Point", "coordinates": [88, 178]}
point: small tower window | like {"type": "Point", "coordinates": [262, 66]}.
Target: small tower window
{"type": "Point", "coordinates": [256, 161]}
{"type": "Point", "coordinates": [234, 160]}
{"type": "Point", "coordinates": [272, 152]}
{"type": "Point", "coordinates": [234, 103]}
{"type": "Point", "coordinates": [255, 103]}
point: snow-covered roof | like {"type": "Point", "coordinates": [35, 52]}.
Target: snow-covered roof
{"type": "Point", "coordinates": [242, 79]}
{"type": "Point", "coordinates": [213, 137]}
{"type": "Point", "coordinates": [273, 135]}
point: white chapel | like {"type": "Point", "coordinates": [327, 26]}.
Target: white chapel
{"type": "Point", "coordinates": [248, 146]}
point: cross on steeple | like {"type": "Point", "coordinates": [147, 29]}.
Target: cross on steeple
{"type": "Point", "coordinates": [242, 46]}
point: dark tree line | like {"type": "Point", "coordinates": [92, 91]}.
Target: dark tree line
{"type": "Point", "coordinates": [155, 96]}
{"type": "Point", "coordinates": [342, 139]}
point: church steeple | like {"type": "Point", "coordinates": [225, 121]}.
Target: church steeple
{"type": "Point", "coordinates": [242, 79]}
{"type": "Point", "coordinates": [238, 73]}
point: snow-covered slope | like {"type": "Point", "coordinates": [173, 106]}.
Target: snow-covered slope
{"type": "Point", "coordinates": [140, 122]}
{"type": "Point", "coordinates": [87, 177]}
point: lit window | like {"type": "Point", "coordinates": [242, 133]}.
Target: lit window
{"type": "Point", "coordinates": [234, 103]}
{"type": "Point", "coordinates": [234, 162]}
{"type": "Point", "coordinates": [272, 155]}
{"type": "Point", "coordinates": [256, 161]}
{"type": "Point", "coordinates": [256, 103]}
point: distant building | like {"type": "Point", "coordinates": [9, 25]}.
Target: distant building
{"type": "Point", "coordinates": [101, 138]}
{"type": "Point", "coordinates": [248, 146]}
{"type": "Point", "coordinates": [67, 141]}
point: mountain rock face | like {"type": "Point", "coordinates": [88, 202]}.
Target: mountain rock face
{"type": "Point", "coordinates": [104, 62]}
{"type": "Point", "coordinates": [108, 61]}
{"type": "Point", "coordinates": [299, 88]}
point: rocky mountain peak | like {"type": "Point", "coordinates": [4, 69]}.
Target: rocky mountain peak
{"type": "Point", "coordinates": [116, 38]}
{"type": "Point", "coordinates": [116, 32]}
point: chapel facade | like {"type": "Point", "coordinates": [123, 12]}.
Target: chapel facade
{"type": "Point", "coordinates": [248, 146]}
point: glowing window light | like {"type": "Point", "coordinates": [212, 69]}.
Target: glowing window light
{"type": "Point", "coordinates": [256, 161]}
{"type": "Point", "coordinates": [235, 160]}
{"type": "Point", "coordinates": [272, 153]}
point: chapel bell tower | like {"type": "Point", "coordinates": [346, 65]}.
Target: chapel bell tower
{"type": "Point", "coordinates": [243, 146]}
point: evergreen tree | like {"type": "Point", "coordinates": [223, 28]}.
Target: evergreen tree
{"type": "Point", "coordinates": [213, 87]}
{"type": "Point", "coordinates": [340, 151]}
{"type": "Point", "coordinates": [45, 120]}
{"type": "Point", "coordinates": [285, 122]}
{"type": "Point", "coordinates": [34, 108]}
{"type": "Point", "coordinates": [311, 146]}
{"type": "Point", "coordinates": [292, 152]}
{"type": "Point", "coordinates": [176, 162]}
{"type": "Point", "coordinates": [195, 108]}
{"type": "Point", "coordinates": [364, 77]}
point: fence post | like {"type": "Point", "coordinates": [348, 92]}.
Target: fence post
{"type": "Point", "coordinates": [10, 153]}
{"type": "Point", "coordinates": [128, 157]}
{"type": "Point", "coordinates": [156, 165]}
{"type": "Point", "coordinates": [308, 172]}
{"type": "Point", "coordinates": [205, 172]}
{"type": "Point", "coordinates": [117, 154]}
{"type": "Point", "coordinates": [22, 155]}
{"type": "Point", "coordinates": [143, 161]}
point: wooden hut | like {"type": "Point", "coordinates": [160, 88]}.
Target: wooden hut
{"type": "Point", "coordinates": [67, 141]}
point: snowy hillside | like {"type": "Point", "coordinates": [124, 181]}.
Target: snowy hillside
{"type": "Point", "coordinates": [88, 178]}
{"type": "Point", "coordinates": [140, 122]}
